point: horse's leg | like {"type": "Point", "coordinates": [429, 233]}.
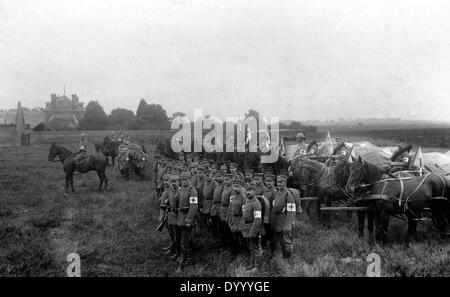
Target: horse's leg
{"type": "Point", "coordinates": [361, 219]}
{"type": "Point", "coordinates": [377, 218]}
{"type": "Point", "coordinates": [412, 229]}
{"type": "Point", "coordinates": [438, 219]}
{"type": "Point", "coordinates": [105, 180]}
{"type": "Point", "coordinates": [370, 219]}
{"type": "Point", "coordinates": [100, 176]}
{"type": "Point", "coordinates": [384, 224]}
{"type": "Point", "coordinates": [71, 182]}
{"type": "Point", "coordinates": [326, 215]}
{"type": "Point", "coordinates": [67, 183]}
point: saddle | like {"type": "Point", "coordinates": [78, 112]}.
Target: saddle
{"type": "Point", "coordinates": [82, 161]}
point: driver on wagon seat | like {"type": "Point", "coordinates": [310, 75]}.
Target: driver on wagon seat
{"type": "Point", "coordinates": [301, 146]}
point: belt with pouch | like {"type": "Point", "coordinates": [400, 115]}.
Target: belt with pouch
{"type": "Point", "coordinates": [184, 209]}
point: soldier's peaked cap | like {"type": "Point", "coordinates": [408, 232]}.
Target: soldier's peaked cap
{"type": "Point", "coordinates": [174, 177]}
{"type": "Point", "coordinates": [185, 175]}
{"type": "Point", "coordinates": [282, 176]}
{"type": "Point", "coordinates": [269, 175]}
{"type": "Point", "coordinates": [257, 174]}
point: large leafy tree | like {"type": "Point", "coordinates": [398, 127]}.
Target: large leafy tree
{"type": "Point", "coordinates": [94, 117]}
{"type": "Point", "coordinates": [151, 116]}
{"type": "Point", "coordinates": [122, 119]}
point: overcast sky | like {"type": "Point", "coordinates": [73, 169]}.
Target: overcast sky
{"type": "Point", "coordinates": [292, 59]}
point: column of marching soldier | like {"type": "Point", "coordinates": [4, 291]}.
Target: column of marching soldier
{"type": "Point", "coordinates": [246, 213]}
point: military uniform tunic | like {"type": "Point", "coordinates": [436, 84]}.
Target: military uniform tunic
{"type": "Point", "coordinates": [283, 211]}
{"type": "Point", "coordinates": [174, 196]}
{"type": "Point", "coordinates": [188, 203]}
{"type": "Point", "coordinates": [226, 193]}
{"type": "Point", "coordinates": [217, 199]}
{"type": "Point", "coordinates": [237, 202]}
{"type": "Point", "coordinates": [208, 191]}
{"type": "Point", "coordinates": [251, 218]}
{"type": "Point", "coordinates": [260, 189]}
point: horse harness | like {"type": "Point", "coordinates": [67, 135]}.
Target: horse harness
{"type": "Point", "coordinates": [400, 199]}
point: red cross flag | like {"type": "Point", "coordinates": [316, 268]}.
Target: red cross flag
{"type": "Point", "coordinates": [193, 200]}
{"type": "Point", "coordinates": [327, 149]}
{"type": "Point", "coordinates": [257, 214]}
{"type": "Point", "coordinates": [417, 162]}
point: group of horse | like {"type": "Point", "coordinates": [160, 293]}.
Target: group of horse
{"type": "Point", "coordinates": [98, 161]}
{"type": "Point", "coordinates": [375, 193]}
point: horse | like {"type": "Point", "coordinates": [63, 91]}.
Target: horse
{"type": "Point", "coordinates": [317, 179]}
{"type": "Point", "coordinates": [109, 148]}
{"type": "Point", "coordinates": [95, 162]}
{"type": "Point", "coordinates": [280, 166]}
{"type": "Point", "coordinates": [387, 196]}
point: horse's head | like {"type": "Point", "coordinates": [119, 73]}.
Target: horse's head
{"type": "Point", "coordinates": [357, 174]}
{"type": "Point", "coordinates": [53, 152]}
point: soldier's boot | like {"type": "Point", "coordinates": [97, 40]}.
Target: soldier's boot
{"type": "Point", "coordinates": [167, 252]}
{"type": "Point", "coordinates": [287, 254]}
{"type": "Point", "coordinates": [167, 248]}
{"type": "Point", "coordinates": [182, 262]}
{"type": "Point", "coordinates": [257, 264]}
{"type": "Point", "coordinates": [175, 257]}
{"type": "Point", "coordinates": [251, 263]}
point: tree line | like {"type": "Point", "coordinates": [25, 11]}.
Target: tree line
{"type": "Point", "coordinates": [147, 117]}
{"type": "Point", "coordinates": [150, 117]}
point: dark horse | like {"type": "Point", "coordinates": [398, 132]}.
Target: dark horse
{"type": "Point", "coordinates": [318, 180]}
{"type": "Point", "coordinates": [387, 196]}
{"type": "Point", "coordinates": [109, 148]}
{"type": "Point", "coordinates": [95, 162]}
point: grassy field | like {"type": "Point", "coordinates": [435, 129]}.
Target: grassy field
{"type": "Point", "coordinates": [113, 232]}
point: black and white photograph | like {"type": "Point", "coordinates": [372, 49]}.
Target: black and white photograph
{"type": "Point", "coordinates": [240, 140]}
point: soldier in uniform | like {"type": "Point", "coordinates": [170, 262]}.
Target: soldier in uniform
{"type": "Point", "coordinates": [224, 169]}
{"type": "Point", "coordinates": [113, 136]}
{"type": "Point", "coordinates": [208, 192]}
{"type": "Point", "coordinates": [163, 204]}
{"type": "Point", "coordinates": [237, 201]}
{"type": "Point", "coordinates": [403, 157]}
{"type": "Point", "coordinates": [269, 193]}
{"type": "Point", "coordinates": [172, 216]}
{"type": "Point", "coordinates": [199, 188]}
{"type": "Point", "coordinates": [120, 138]}
{"type": "Point", "coordinates": [161, 170]}
{"type": "Point", "coordinates": [188, 204]}
{"type": "Point", "coordinates": [248, 175]}
{"type": "Point", "coordinates": [301, 146]}
{"type": "Point", "coordinates": [216, 202]}
{"type": "Point", "coordinates": [82, 153]}
{"type": "Point", "coordinates": [251, 225]}
{"type": "Point", "coordinates": [223, 211]}
{"type": "Point", "coordinates": [282, 217]}
{"type": "Point", "coordinates": [233, 169]}
{"type": "Point", "coordinates": [259, 184]}
{"type": "Point", "coordinates": [194, 176]}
